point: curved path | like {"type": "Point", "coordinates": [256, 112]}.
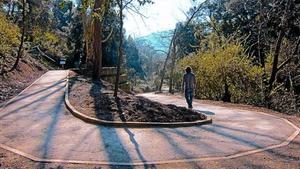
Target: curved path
{"type": "Point", "coordinates": [37, 125]}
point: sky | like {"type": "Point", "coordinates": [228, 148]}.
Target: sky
{"type": "Point", "coordinates": [160, 16]}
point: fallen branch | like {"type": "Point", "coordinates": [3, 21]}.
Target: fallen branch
{"type": "Point", "coordinates": [43, 54]}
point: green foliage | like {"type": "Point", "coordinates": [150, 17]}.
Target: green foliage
{"type": "Point", "coordinates": [51, 41]}
{"type": "Point", "coordinates": [9, 35]}
{"type": "Point", "coordinates": [227, 64]}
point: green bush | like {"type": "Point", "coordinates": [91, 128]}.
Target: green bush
{"type": "Point", "coordinates": [216, 66]}
{"type": "Point", "coordinates": [51, 41]}
{"type": "Point", "coordinates": [9, 35]}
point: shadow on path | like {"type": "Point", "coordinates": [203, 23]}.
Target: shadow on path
{"type": "Point", "coordinates": [45, 97]}
{"type": "Point", "coordinates": [19, 98]}
{"type": "Point", "coordinates": [114, 146]}
{"type": "Point", "coordinates": [48, 138]}
{"type": "Point", "coordinates": [177, 149]}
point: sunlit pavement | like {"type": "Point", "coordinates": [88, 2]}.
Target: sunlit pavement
{"type": "Point", "coordinates": [36, 124]}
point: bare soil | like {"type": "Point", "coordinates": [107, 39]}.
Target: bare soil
{"type": "Point", "coordinates": [95, 99]}
{"type": "Point", "coordinates": [14, 82]}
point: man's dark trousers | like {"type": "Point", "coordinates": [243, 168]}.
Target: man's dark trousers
{"type": "Point", "coordinates": [189, 97]}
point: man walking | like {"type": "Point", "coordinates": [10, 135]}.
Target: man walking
{"type": "Point", "coordinates": [189, 85]}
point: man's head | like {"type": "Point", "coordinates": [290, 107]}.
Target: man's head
{"type": "Point", "coordinates": [188, 70]}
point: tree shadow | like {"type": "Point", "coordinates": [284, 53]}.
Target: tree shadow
{"type": "Point", "coordinates": [34, 93]}
{"type": "Point", "coordinates": [137, 148]}
{"type": "Point", "coordinates": [245, 131]}
{"type": "Point", "coordinates": [34, 101]}
{"type": "Point", "coordinates": [274, 152]}
{"type": "Point", "coordinates": [120, 111]}
{"type": "Point", "coordinates": [114, 147]}
{"type": "Point", "coordinates": [48, 138]}
{"type": "Point", "coordinates": [231, 136]}
{"type": "Point", "coordinates": [177, 148]}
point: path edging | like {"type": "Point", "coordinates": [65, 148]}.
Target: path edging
{"type": "Point", "coordinates": [92, 120]}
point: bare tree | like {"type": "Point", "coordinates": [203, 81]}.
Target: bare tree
{"type": "Point", "coordinates": [20, 50]}
{"type": "Point", "coordinates": [122, 5]}
{"type": "Point", "coordinates": [174, 37]}
{"type": "Point", "coordinates": [166, 61]}
{"type": "Point", "coordinates": [120, 50]}
{"type": "Point", "coordinates": [283, 25]}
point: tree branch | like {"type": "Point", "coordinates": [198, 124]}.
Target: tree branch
{"type": "Point", "coordinates": [291, 58]}
{"type": "Point", "coordinates": [109, 36]}
{"type": "Point", "coordinates": [126, 4]}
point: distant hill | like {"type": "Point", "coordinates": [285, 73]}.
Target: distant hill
{"type": "Point", "coordinates": [158, 40]}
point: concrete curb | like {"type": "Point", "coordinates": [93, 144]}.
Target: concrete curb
{"type": "Point", "coordinates": [92, 120]}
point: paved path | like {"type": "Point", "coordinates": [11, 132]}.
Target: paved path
{"type": "Point", "coordinates": [37, 124]}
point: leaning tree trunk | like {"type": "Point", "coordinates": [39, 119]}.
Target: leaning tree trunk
{"type": "Point", "coordinates": [97, 43]}
{"type": "Point", "coordinates": [171, 87]}
{"type": "Point", "coordinates": [284, 24]}
{"type": "Point", "coordinates": [276, 58]}
{"type": "Point", "coordinates": [173, 41]}
{"type": "Point", "coordinates": [259, 35]}
{"type": "Point", "coordinates": [120, 50]}
{"type": "Point", "coordinates": [166, 61]}
{"type": "Point", "coordinates": [20, 50]}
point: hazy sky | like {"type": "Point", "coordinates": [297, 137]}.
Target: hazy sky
{"type": "Point", "coordinates": [162, 15]}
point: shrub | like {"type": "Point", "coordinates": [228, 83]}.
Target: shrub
{"type": "Point", "coordinates": [222, 65]}
{"type": "Point", "coordinates": [9, 35]}
{"type": "Point", "coordinates": [54, 43]}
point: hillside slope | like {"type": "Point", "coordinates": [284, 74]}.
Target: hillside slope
{"type": "Point", "coordinates": [14, 82]}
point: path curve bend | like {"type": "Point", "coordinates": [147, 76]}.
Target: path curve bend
{"type": "Point", "coordinates": [36, 124]}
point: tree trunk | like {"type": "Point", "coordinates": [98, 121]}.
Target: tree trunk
{"type": "Point", "coordinates": [97, 43]}
{"type": "Point", "coordinates": [9, 9]}
{"type": "Point", "coordinates": [172, 41]}
{"type": "Point", "coordinates": [166, 61]}
{"type": "Point", "coordinates": [20, 51]}
{"type": "Point", "coordinates": [227, 95]}
{"type": "Point", "coordinates": [171, 86]}
{"type": "Point", "coordinates": [259, 47]}
{"type": "Point", "coordinates": [13, 9]}
{"type": "Point", "coordinates": [120, 50]}
{"type": "Point", "coordinates": [276, 58]}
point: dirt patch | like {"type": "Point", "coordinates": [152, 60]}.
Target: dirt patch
{"type": "Point", "coordinates": [14, 82]}
{"type": "Point", "coordinates": [96, 99]}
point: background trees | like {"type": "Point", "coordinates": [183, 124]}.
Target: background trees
{"type": "Point", "coordinates": [267, 31]}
